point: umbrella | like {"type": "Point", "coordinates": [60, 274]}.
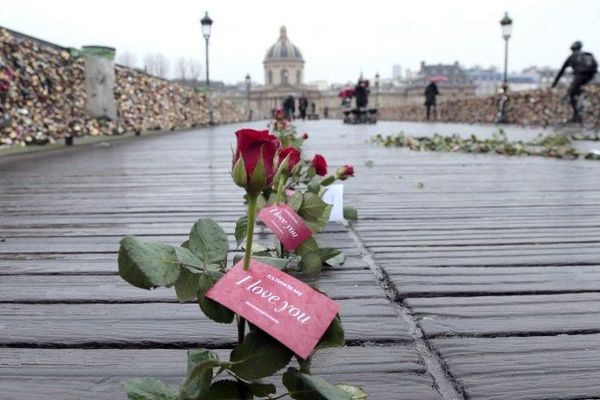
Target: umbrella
{"type": "Point", "coordinates": [438, 78]}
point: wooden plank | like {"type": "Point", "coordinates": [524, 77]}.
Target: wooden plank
{"type": "Point", "coordinates": [337, 284]}
{"type": "Point", "coordinates": [524, 368]}
{"type": "Point", "coordinates": [386, 372]}
{"type": "Point", "coordinates": [424, 281]}
{"type": "Point", "coordinates": [163, 324]}
{"type": "Point", "coordinates": [508, 315]}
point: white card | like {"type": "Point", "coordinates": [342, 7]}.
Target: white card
{"type": "Point", "coordinates": [334, 195]}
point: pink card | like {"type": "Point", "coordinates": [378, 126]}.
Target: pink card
{"type": "Point", "coordinates": [286, 224]}
{"type": "Point", "coordinates": [281, 305]}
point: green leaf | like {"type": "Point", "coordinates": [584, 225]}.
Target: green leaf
{"type": "Point", "coordinates": [186, 257]}
{"type": "Point", "coordinates": [311, 263]}
{"type": "Point", "coordinates": [356, 392]}
{"type": "Point", "coordinates": [334, 335]}
{"type": "Point", "coordinates": [315, 212]}
{"type": "Point", "coordinates": [227, 390]}
{"type": "Point", "coordinates": [209, 307]}
{"type": "Point", "coordinates": [332, 257]}
{"type": "Point", "coordinates": [147, 265]}
{"type": "Point", "coordinates": [295, 201]}
{"type": "Point", "coordinates": [209, 241]}
{"type": "Point", "coordinates": [279, 263]}
{"type": "Point", "coordinates": [239, 173]}
{"type": "Point", "coordinates": [260, 389]}
{"type": "Point", "coordinates": [314, 185]}
{"type": "Point", "coordinates": [350, 213]}
{"type": "Point", "coordinates": [308, 387]}
{"type": "Point", "coordinates": [241, 229]}
{"type": "Point", "coordinates": [199, 373]}
{"type": "Point", "coordinates": [259, 356]}
{"type": "Point", "coordinates": [308, 246]}
{"type": "Point", "coordinates": [187, 285]}
{"type": "Point", "coordinates": [149, 389]}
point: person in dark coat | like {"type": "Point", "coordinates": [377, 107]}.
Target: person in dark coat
{"type": "Point", "coordinates": [361, 92]}
{"type": "Point", "coordinates": [289, 107]}
{"type": "Point", "coordinates": [584, 68]}
{"type": "Point", "coordinates": [431, 91]}
{"type": "Point", "coordinates": [303, 106]}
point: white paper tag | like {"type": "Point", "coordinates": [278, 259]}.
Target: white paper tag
{"type": "Point", "coordinates": [334, 195]}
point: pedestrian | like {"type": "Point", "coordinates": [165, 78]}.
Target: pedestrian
{"type": "Point", "coordinates": [303, 106]}
{"type": "Point", "coordinates": [431, 91]}
{"type": "Point", "coordinates": [584, 67]}
{"type": "Point", "coordinates": [361, 92]}
{"type": "Point", "coordinates": [289, 107]}
{"type": "Point", "coordinates": [325, 111]}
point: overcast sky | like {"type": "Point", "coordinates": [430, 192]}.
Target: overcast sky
{"type": "Point", "coordinates": [338, 38]}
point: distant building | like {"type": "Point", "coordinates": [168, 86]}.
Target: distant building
{"type": "Point", "coordinates": [489, 81]}
{"type": "Point", "coordinates": [451, 79]}
{"type": "Point", "coordinates": [396, 72]}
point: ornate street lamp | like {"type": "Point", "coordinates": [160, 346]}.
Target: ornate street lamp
{"type": "Point", "coordinates": [206, 23]}
{"type": "Point", "coordinates": [506, 24]}
{"type": "Point", "coordinates": [248, 81]}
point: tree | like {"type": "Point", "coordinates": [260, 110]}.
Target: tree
{"type": "Point", "coordinates": [194, 69]}
{"type": "Point", "coordinates": [157, 65]}
{"type": "Point", "coordinates": [181, 69]}
{"type": "Point", "coordinates": [127, 59]}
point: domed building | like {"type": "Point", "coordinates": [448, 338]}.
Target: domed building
{"type": "Point", "coordinates": [283, 62]}
{"type": "Point", "coordinates": [284, 76]}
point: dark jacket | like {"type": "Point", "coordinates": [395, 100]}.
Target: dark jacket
{"type": "Point", "coordinates": [571, 61]}
{"type": "Point", "coordinates": [430, 92]}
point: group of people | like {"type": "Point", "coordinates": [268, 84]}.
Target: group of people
{"type": "Point", "coordinates": [584, 67]}
{"type": "Point", "coordinates": [289, 107]}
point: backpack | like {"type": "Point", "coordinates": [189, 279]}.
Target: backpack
{"type": "Point", "coordinates": [585, 63]}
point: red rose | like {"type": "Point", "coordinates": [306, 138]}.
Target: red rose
{"type": "Point", "coordinates": [252, 148]}
{"type": "Point", "coordinates": [320, 165]}
{"type": "Point", "coordinates": [294, 156]}
{"type": "Point", "coordinates": [345, 172]}
{"type": "Point", "coordinates": [305, 136]}
{"type": "Point", "coordinates": [279, 114]}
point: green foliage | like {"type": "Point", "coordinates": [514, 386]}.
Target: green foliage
{"type": "Point", "coordinates": [314, 211]}
{"type": "Point", "coordinates": [332, 257]}
{"type": "Point", "coordinates": [334, 335]}
{"type": "Point", "coordinates": [295, 201]}
{"type": "Point", "coordinates": [241, 227]}
{"type": "Point", "coordinates": [350, 213]}
{"type": "Point", "coordinates": [311, 263]}
{"type": "Point", "coordinates": [187, 285]}
{"type": "Point", "coordinates": [149, 389]}
{"type": "Point", "coordinates": [556, 145]}
{"type": "Point", "coordinates": [258, 356]}
{"type": "Point", "coordinates": [356, 392]}
{"type": "Point", "coordinates": [147, 265]}
{"type": "Point", "coordinates": [227, 390]}
{"type": "Point", "coordinates": [279, 263]}
{"type": "Point", "coordinates": [199, 373]}
{"type": "Point", "coordinates": [211, 308]}
{"type": "Point", "coordinates": [303, 386]}
{"type": "Point", "coordinates": [209, 241]}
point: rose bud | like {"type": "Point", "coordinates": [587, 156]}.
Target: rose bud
{"type": "Point", "coordinates": [319, 164]}
{"type": "Point", "coordinates": [293, 157]}
{"type": "Point", "coordinates": [305, 136]}
{"type": "Point", "coordinates": [344, 172]}
{"type": "Point", "coordinates": [255, 160]}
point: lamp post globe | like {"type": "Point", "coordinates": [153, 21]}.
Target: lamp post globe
{"type": "Point", "coordinates": [206, 23]}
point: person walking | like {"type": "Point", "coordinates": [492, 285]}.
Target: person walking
{"type": "Point", "coordinates": [303, 106]}
{"type": "Point", "coordinates": [584, 67]}
{"type": "Point", "coordinates": [289, 106]}
{"type": "Point", "coordinates": [431, 91]}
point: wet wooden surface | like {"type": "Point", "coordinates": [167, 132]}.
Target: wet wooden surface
{"type": "Point", "coordinates": [495, 259]}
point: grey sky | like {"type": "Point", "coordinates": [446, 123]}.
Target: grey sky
{"type": "Point", "coordinates": [339, 39]}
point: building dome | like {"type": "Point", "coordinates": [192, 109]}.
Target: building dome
{"type": "Point", "coordinates": [283, 50]}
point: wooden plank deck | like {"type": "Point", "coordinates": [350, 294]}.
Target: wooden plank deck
{"type": "Point", "coordinates": [480, 283]}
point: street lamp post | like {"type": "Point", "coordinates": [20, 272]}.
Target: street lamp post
{"type": "Point", "coordinates": [248, 81]}
{"type": "Point", "coordinates": [377, 90]}
{"type": "Point", "coordinates": [206, 23]}
{"type": "Point", "coordinates": [506, 24]}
